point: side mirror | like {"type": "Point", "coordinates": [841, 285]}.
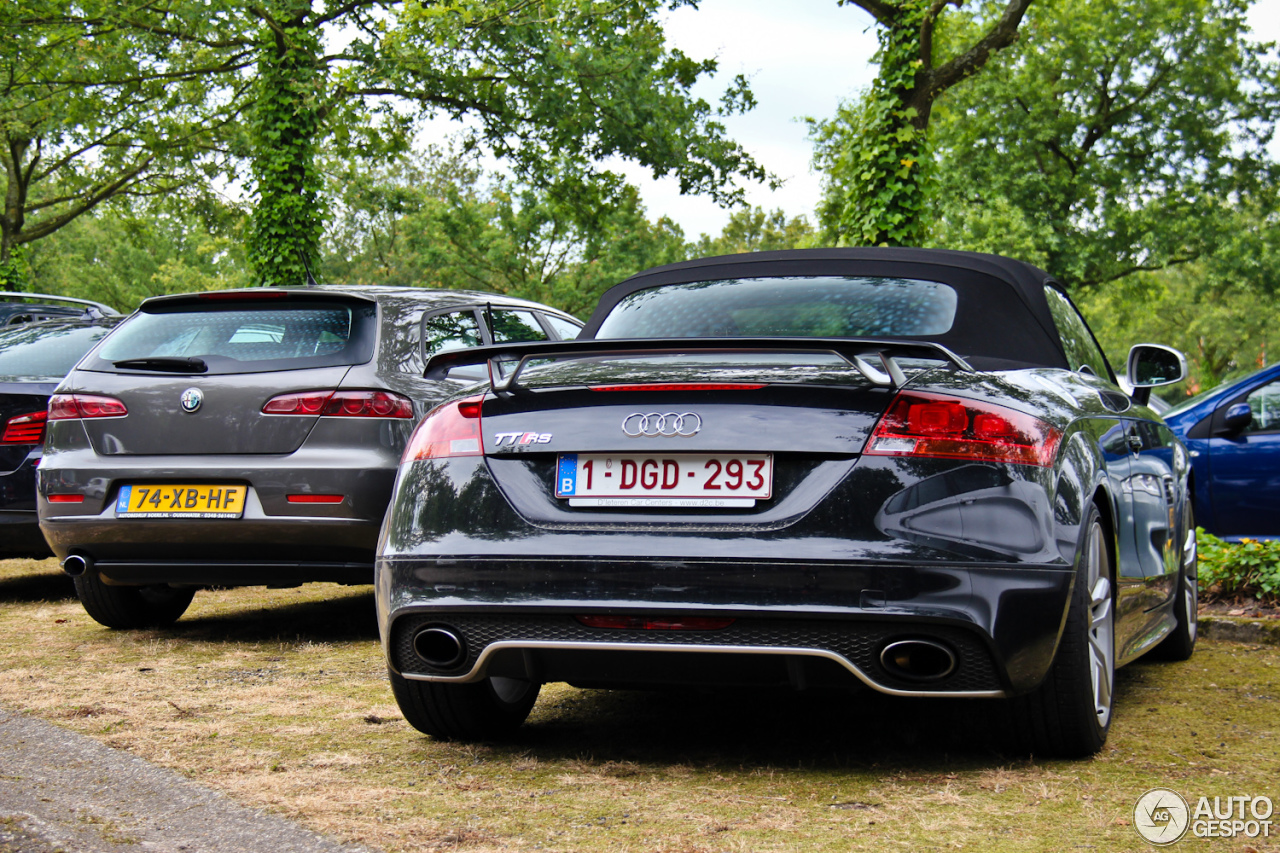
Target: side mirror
{"type": "Point", "coordinates": [1236, 418]}
{"type": "Point", "coordinates": [1151, 366]}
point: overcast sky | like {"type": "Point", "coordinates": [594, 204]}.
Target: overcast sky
{"type": "Point", "coordinates": [802, 59]}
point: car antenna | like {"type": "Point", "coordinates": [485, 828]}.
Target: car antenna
{"type": "Point", "coordinates": [311, 281]}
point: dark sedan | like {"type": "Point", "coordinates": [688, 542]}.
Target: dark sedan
{"type": "Point", "coordinates": [248, 437]}
{"type": "Point", "coordinates": [900, 470]}
{"type": "Point", "coordinates": [1233, 433]}
{"type": "Point", "coordinates": [34, 356]}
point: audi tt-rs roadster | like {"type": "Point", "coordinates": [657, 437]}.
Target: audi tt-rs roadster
{"type": "Point", "coordinates": [900, 470]}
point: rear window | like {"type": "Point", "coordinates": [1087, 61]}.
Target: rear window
{"type": "Point", "coordinates": [818, 306]}
{"type": "Point", "coordinates": [32, 351]}
{"type": "Point", "coordinates": [242, 337]}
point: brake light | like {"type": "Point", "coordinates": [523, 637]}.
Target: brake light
{"type": "Point", "coordinates": [67, 406]}
{"type": "Point", "coordinates": [25, 429]}
{"type": "Point", "coordinates": [681, 386]}
{"type": "Point", "coordinates": [452, 429]}
{"type": "Point", "coordinates": [920, 424]}
{"type": "Point", "coordinates": [314, 499]}
{"type": "Point", "coordinates": [236, 295]}
{"type": "Point", "coordinates": [341, 404]}
{"type": "Point", "coordinates": [65, 499]}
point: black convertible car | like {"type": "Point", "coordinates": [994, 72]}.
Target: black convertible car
{"type": "Point", "coordinates": [905, 470]}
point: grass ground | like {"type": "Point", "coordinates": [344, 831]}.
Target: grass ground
{"type": "Point", "coordinates": [279, 698]}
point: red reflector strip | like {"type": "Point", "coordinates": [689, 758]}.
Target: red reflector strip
{"type": "Point", "coordinates": [25, 429]}
{"type": "Point", "coordinates": [65, 499]}
{"type": "Point", "coordinates": [657, 623]}
{"type": "Point", "coordinates": [681, 386]}
{"type": "Point", "coordinates": [315, 499]}
{"type": "Point", "coordinates": [921, 424]}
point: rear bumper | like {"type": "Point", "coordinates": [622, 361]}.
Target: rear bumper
{"type": "Point", "coordinates": [801, 624]}
{"type": "Point", "coordinates": [274, 542]}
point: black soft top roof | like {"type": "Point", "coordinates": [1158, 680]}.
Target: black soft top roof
{"type": "Point", "coordinates": [1002, 317]}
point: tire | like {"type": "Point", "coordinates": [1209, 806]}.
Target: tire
{"type": "Point", "coordinates": [126, 607]}
{"type": "Point", "coordinates": [1182, 642]}
{"type": "Point", "coordinates": [491, 709]}
{"type": "Point", "coordinates": [1069, 714]}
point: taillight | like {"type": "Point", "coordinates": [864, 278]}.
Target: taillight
{"type": "Point", "coordinates": [25, 429]}
{"type": "Point", "coordinates": [65, 406]}
{"type": "Point", "coordinates": [920, 424]}
{"type": "Point", "coordinates": [452, 429]}
{"type": "Point", "coordinates": [341, 404]}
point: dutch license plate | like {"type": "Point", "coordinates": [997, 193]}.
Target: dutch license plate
{"type": "Point", "coordinates": [142, 500]}
{"type": "Point", "coordinates": [709, 481]}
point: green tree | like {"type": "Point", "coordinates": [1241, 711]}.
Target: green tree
{"type": "Point", "coordinates": [435, 220]}
{"type": "Point", "coordinates": [1117, 136]}
{"type": "Point", "coordinates": [1219, 310]}
{"type": "Point", "coordinates": [875, 152]}
{"type": "Point", "coordinates": [552, 88]}
{"type": "Point", "coordinates": [753, 230]}
{"type": "Point", "coordinates": [85, 118]}
{"type": "Point", "coordinates": [126, 250]}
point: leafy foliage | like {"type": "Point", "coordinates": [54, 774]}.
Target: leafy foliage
{"type": "Point", "coordinates": [872, 152]}
{"type": "Point", "coordinates": [1223, 323]}
{"type": "Point", "coordinates": [1116, 136]}
{"type": "Point", "coordinates": [1250, 568]}
{"type": "Point", "coordinates": [90, 112]}
{"type": "Point", "coordinates": [875, 152]}
{"type": "Point", "coordinates": [289, 217]}
{"type": "Point", "coordinates": [121, 254]}
{"type": "Point", "coordinates": [552, 88]}
{"type": "Point", "coordinates": [436, 221]}
{"type": "Point", "coordinates": [753, 230]}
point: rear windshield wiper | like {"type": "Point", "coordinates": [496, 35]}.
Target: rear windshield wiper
{"type": "Point", "coordinates": [170, 363]}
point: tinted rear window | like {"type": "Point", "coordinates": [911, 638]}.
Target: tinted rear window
{"type": "Point", "coordinates": [34, 351]}
{"type": "Point", "coordinates": [818, 306]}
{"type": "Point", "coordinates": [245, 337]}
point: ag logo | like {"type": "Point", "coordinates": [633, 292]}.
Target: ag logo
{"type": "Point", "coordinates": [1161, 816]}
{"type": "Point", "coordinates": [191, 400]}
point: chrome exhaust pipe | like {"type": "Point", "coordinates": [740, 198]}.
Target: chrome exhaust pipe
{"type": "Point", "coordinates": [77, 564]}
{"type": "Point", "coordinates": [440, 647]}
{"type": "Point", "coordinates": [918, 660]}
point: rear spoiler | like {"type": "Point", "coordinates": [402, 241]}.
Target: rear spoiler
{"type": "Point", "coordinates": [859, 353]}
{"type": "Point", "coordinates": [19, 297]}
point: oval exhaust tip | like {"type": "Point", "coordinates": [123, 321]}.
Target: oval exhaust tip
{"type": "Point", "coordinates": [76, 565]}
{"type": "Point", "coordinates": [439, 646]}
{"type": "Point", "coordinates": [918, 660]}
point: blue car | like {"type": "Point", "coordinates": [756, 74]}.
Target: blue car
{"type": "Point", "coordinates": [1233, 433]}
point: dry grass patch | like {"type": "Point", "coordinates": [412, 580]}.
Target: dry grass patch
{"type": "Point", "coordinates": [279, 698]}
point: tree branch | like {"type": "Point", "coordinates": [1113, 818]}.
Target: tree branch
{"type": "Point", "coordinates": [1001, 35]}
{"type": "Point", "coordinates": [884, 12]}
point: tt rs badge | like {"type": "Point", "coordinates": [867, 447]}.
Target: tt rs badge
{"type": "Point", "coordinates": [191, 400]}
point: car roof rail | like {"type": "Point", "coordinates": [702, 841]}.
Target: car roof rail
{"type": "Point", "coordinates": [8, 296]}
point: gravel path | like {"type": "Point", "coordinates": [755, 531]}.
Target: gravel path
{"type": "Point", "coordinates": [62, 791]}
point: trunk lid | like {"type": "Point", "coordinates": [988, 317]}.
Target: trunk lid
{"type": "Point", "coordinates": [229, 419]}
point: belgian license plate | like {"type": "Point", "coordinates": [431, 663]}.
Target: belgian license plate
{"type": "Point", "coordinates": [709, 481]}
{"type": "Point", "coordinates": [142, 500]}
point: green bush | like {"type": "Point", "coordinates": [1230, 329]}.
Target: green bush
{"type": "Point", "coordinates": [1250, 567]}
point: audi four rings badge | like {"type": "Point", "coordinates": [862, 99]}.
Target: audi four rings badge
{"type": "Point", "coordinates": [667, 424]}
{"type": "Point", "coordinates": [191, 400]}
